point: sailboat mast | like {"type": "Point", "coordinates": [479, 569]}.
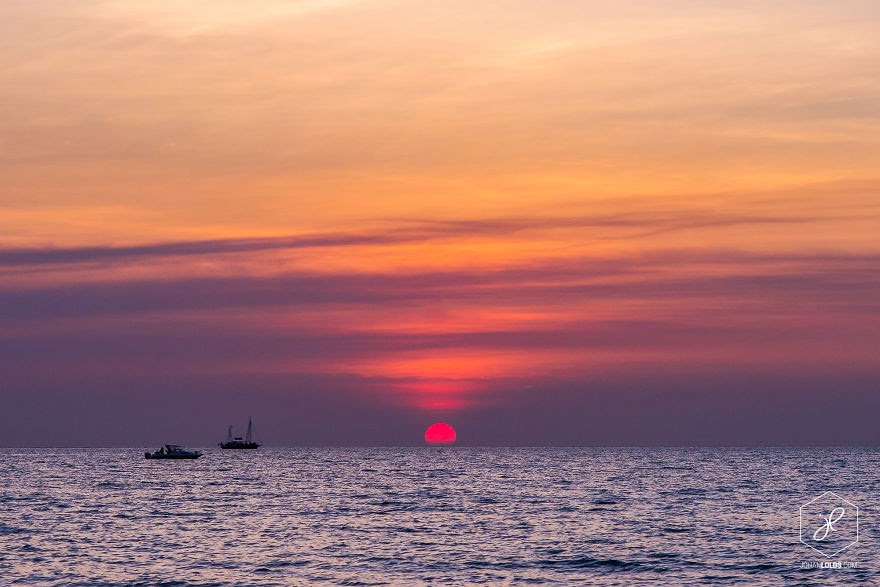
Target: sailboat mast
{"type": "Point", "coordinates": [229, 434]}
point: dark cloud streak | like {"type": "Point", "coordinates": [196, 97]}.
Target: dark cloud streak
{"type": "Point", "coordinates": [644, 224]}
{"type": "Point", "coordinates": [822, 279]}
{"type": "Point", "coordinates": [25, 257]}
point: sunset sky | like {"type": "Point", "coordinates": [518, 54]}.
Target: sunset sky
{"type": "Point", "coordinates": [572, 222]}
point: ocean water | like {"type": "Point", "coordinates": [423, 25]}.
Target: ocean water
{"type": "Point", "coordinates": [437, 516]}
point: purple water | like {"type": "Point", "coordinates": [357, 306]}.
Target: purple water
{"type": "Point", "coordinates": [439, 516]}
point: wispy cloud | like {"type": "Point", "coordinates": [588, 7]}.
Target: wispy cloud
{"type": "Point", "coordinates": [394, 231]}
{"type": "Point", "coordinates": [29, 256]}
{"type": "Point", "coordinates": [670, 274]}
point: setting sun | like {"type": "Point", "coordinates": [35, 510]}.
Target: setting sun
{"type": "Point", "coordinates": [440, 434]}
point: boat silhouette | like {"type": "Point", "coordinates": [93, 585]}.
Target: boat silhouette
{"type": "Point", "coordinates": [238, 441]}
{"type": "Point", "coordinates": [172, 451]}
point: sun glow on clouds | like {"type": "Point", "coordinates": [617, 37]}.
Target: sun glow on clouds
{"type": "Point", "coordinates": [443, 202]}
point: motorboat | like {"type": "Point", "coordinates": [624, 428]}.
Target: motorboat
{"type": "Point", "coordinates": [172, 451]}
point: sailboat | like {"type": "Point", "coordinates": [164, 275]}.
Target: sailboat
{"type": "Point", "coordinates": [238, 441]}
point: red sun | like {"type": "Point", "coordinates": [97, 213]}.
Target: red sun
{"type": "Point", "coordinates": [440, 434]}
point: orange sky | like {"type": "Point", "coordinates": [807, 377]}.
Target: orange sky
{"type": "Point", "coordinates": [133, 122]}
{"type": "Point", "coordinates": [559, 168]}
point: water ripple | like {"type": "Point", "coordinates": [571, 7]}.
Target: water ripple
{"type": "Point", "coordinates": [460, 516]}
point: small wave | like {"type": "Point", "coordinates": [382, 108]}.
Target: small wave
{"type": "Point", "coordinates": [275, 566]}
{"type": "Point", "coordinates": [601, 541]}
{"type": "Point", "coordinates": [5, 498]}
{"type": "Point", "coordinates": [584, 562]}
{"type": "Point", "coordinates": [146, 584]}
{"type": "Point", "coordinates": [751, 530]}
{"type": "Point", "coordinates": [407, 530]}
{"type": "Point", "coordinates": [604, 501]}
{"type": "Point", "coordinates": [506, 565]}
{"type": "Point", "coordinates": [676, 530]}
{"type": "Point", "coordinates": [393, 506]}
{"type": "Point", "coordinates": [210, 564]}
{"type": "Point", "coordinates": [7, 530]}
{"type": "Point", "coordinates": [487, 500]}
{"type": "Point", "coordinates": [111, 485]}
{"type": "Point", "coordinates": [692, 491]}
{"type": "Point", "coordinates": [173, 514]}
{"type": "Point", "coordinates": [756, 568]}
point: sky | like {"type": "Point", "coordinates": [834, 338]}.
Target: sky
{"type": "Point", "coordinates": [566, 223]}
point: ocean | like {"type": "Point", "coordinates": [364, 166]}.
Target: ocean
{"type": "Point", "coordinates": [441, 516]}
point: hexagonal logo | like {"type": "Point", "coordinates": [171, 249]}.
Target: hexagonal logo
{"type": "Point", "coordinates": [829, 524]}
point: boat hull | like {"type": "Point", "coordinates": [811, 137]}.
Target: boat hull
{"type": "Point", "coordinates": [239, 445]}
{"type": "Point", "coordinates": [152, 456]}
